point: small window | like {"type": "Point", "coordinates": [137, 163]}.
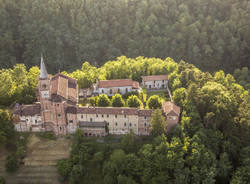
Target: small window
{"type": "Point", "coordinates": [59, 115]}
{"type": "Point", "coordinates": [27, 119]}
{"type": "Point", "coordinates": [116, 116]}
{"type": "Point", "coordinates": [125, 116]}
{"type": "Point", "coordinates": [44, 86]}
{"type": "Point", "coordinates": [115, 123]}
{"type": "Point", "coordinates": [145, 117]}
{"type": "Point", "coordinates": [97, 115]}
{"type": "Point", "coordinates": [35, 121]}
{"type": "Point", "coordinates": [60, 128]}
{"type": "Point", "coordinates": [82, 116]}
{"type": "Point", "coordinates": [154, 82]}
{"type": "Point", "coordinates": [130, 124]}
{"type": "Point", "coordinates": [145, 124]}
{"type": "Point", "coordinates": [57, 105]}
{"type": "Point", "coordinates": [107, 115]}
{"type": "Point", "coordinates": [108, 123]}
{"type": "Point", "coordinates": [91, 119]}
{"type": "Point", "coordinates": [102, 115]}
{"type": "Point", "coordinates": [126, 90]}
{"type": "Point", "coordinates": [119, 90]}
{"type": "Point", "coordinates": [102, 91]}
{"type": "Point", "coordinates": [125, 124]}
{"type": "Point", "coordinates": [163, 81]}
{"type": "Point", "coordinates": [110, 91]}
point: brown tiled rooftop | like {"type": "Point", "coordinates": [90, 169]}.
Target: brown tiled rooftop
{"type": "Point", "coordinates": [118, 83]}
{"type": "Point", "coordinates": [28, 110]}
{"type": "Point", "coordinates": [170, 107]}
{"type": "Point", "coordinates": [154, 77]}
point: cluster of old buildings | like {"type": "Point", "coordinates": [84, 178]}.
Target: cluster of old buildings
{"type": "Point", "coordinates": [57, 109]}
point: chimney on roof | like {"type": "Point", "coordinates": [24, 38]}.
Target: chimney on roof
{"type": "Point", "coordinates": [43, 71]}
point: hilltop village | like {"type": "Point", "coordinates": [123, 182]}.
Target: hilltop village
{"type": "Point", "coordinates": [57, 108]}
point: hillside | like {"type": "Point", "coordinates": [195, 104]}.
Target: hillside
{"type": "Point", "coordinates": [39, 165]}
{"type": "Point", "coordinates": [211, 34]}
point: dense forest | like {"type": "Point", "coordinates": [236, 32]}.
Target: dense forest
{"type": "Point", "coordinates": [211, 34]}
{"type": "Point", "coordinates": [210, 145]}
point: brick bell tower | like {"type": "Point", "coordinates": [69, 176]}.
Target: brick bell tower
{"type": "Point", "coordinates": [44, 96]}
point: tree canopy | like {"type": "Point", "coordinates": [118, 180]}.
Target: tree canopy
{"type": "Point", "coordinates": [210, 34]}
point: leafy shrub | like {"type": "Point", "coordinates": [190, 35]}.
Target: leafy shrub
{"type": "Point", "coordinates": [11, 163]}
{"type": "Point", "coordinates": [47, 135]}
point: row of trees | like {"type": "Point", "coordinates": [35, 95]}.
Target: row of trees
{"type": "Point", "coordinates": [137, 101]}
{"type": "Point", "coordinates": [210, 34]}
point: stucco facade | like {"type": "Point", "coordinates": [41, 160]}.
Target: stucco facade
{"type": "Point", "coordinates": [155, 81]}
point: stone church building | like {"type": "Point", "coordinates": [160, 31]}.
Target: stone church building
{"type": "Point", "coordinates": [57, 111]}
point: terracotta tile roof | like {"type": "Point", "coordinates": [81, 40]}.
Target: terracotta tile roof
{"type": "Point", "coordinates": [118, 83]}
{"type": "Point", "coordinates": [71, 109]}
{"type": "Point", "coordinates": [154, 77]}
{"type": "Point", "coordinates": [169, 107]}
{"type": "Point", "coordinates": [59, 98]}
{"type": "Point", "coordinates": [27, 110]}
{"type": "Point", "coordinates": [92, 124]}
{"type": "Point", "coordinates": [72, 83]}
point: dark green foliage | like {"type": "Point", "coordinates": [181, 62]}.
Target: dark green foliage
{"type": "Point", "coordinates": [47, 135]}
{"type": "Point", "coordinates": [154, 102]}
{"type": "Point", "coordinates": [64, 167]}
{"type": "Point", "coordinates": [7, 133]}
{"type": "Point", "coordinates": [128, 142]}
{"type": "Point", "coordinates": [2, 180]}
{"type": "Point", "coordinates": [158, 123]}
{"type": "Point", "coordinates": [209, 34]}
{"type": "Point", "coordinates": [134, 101]}
{"type": "Point", "coordinates": [103, 100]}
{"type": "Point", "coordinates": [11, 163]}
{"type": "Point", "coordinates": [243, 77]}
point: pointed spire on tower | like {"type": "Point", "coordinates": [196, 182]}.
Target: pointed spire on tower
{"type": "Point", "coordinates": [43, 71]}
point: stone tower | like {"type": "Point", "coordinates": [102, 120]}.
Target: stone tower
{"type": "Point", "coordinates": [55, 94]}
{"type": "Point", "coordinates": [44, 96]}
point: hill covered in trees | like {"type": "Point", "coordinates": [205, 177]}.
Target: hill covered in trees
{"type": "Point", "coordinates": [211, 34]}
{"type": "Point", "coordinates": [210, 145]}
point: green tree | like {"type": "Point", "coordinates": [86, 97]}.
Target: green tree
{"type": "Point", "coordinates": [7, 133]}
{"type": "Point", "coordinates": [133, 101]}
{"type": "Point", "coordinates": [128, 142]}
{"type": "Point", "coordinates": [103, 100]}
{"type": "Point", "coordinates": [154, 102]}
{"type": "Point", "coordinates": [64, 168]}
{"type": "Point", "coordinates": [158, 123]}
{"type": "Point", "coordinates": [117, 101]}
{"type": "Point", "coordinates": [11, 163]}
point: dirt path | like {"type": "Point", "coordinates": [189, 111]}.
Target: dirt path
{"type": "Point", "coordinates": [40, 163]}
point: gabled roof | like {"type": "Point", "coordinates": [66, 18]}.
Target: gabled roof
{"type": "Point", "coordinates": [72, 83]}
{"type": "Point", "coordinates": [154, 77]}
{"type": "Point", "coordinates": [118, 83]}
{"type": "Point", "coordinates": [169, 108]}
{"type": "Point", "coordinates": [28, 110]}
